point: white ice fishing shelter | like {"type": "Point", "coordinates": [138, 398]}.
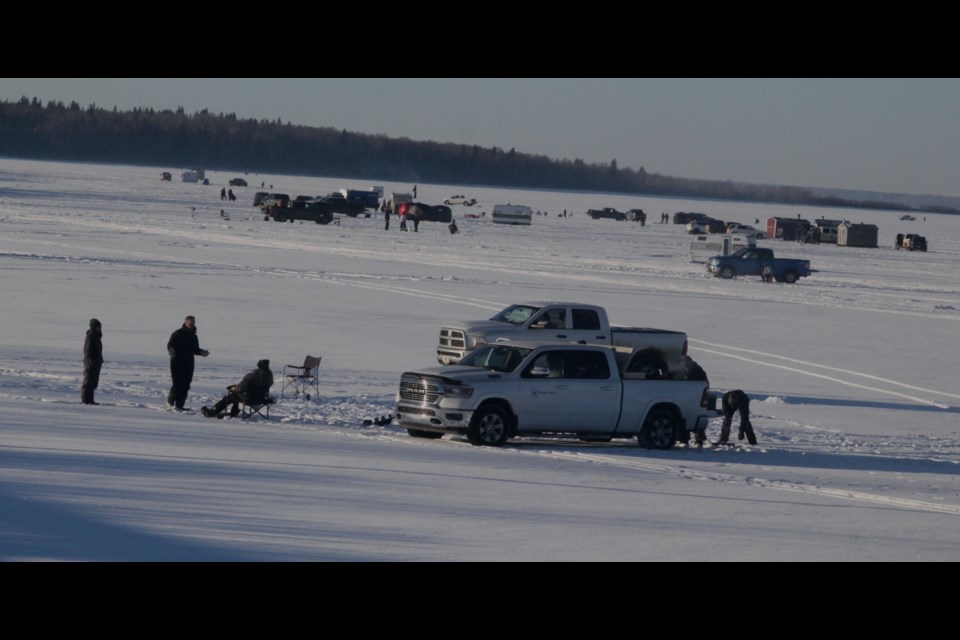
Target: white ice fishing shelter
{"type": "Point", "coordinates": [704, 247]}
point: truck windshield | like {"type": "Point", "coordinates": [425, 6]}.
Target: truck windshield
{"type": "Point", "coordinates": [497, 357]}
{"type": "Point", "coordinates": [515, 314]}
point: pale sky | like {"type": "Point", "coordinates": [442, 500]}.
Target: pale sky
{"type": "Point", "coordinates": [893, 135]}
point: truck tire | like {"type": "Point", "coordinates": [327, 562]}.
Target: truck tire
{"type": "Point", "coordinates": [727, 272]}
{"type": "Point", "coordinates": [659, 431]}
{"type": "Point", "coordinates": [490, 426]}
{"type": "Point", "coordinates": [789, 276]}
{"type": "Point", "coordinates": [280, 217]}
{"type": "Point", "coordinates": [420, 433]}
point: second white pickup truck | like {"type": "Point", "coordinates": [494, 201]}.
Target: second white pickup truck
{"type": "Point", "coordinates": [559, 322]}
{"type": "Point", "coordinates": [592, 392]}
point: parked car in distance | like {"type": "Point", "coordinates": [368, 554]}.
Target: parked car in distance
{"type": "Point", "coordinates": [460, 199]}
{"type": "Point", "coordinates": [430, 213]}
{"type": "Point", "coordinates": [745, 230]}
{"type": "Point", "coordinates": [238, 182]}
{"type": "Point", "coordinates": [706, 226]}
{"type": "Point", "coordinates": [274, 201]}
{"type": "Point", "coordinates": [607, 212]}
{"type": "Point", "coordinates": [907, 216]}
{"type": "Point", "coordinates": [300, 202]}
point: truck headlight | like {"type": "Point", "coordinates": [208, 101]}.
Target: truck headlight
{"type": "Point", "coordinates": [458, 391]}
{"type": "Point", "coordinates": [476, 341]}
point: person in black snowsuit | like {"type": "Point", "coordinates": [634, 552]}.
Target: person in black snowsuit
{"type": "Point", "coordinates": [182, 347]}
{"type": "Point", "coordinates": [736, 401]}
{"type": "Point", "coordinates": [256, 385]}
{"type": "Point", "coordinates": [230, 195]}
{"type": "Point", "coordinates": [223, 194]}
{"type": "Point", "coordinates": [453, 227]}
{"type": "Point", "coordinates": [92, 361]}
{"type": "Point", "coordinates": [386, 219]}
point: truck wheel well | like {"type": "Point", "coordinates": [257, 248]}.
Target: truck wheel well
{"type": "Point", "coordinates": [673, 409]}
{"type": "Point", "coordinates": [502, 404]}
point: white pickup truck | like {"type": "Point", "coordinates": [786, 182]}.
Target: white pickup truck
{"type": "Point", "coordinates": [592, 392]}
{"type": "Point", "coordinates": [558, 322]}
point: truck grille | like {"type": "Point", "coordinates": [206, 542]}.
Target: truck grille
{"type": "Point", "coordinates": [452, 338]}
{"type": "Point", "coordinates": [413, 389]}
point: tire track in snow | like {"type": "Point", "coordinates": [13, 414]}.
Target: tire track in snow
{"type": "Point", "coordinates": [830, 378]}
{"type": "Point", "coordinates": [780, 485]}
{"type": "Point", "coordinates": [708, 476]}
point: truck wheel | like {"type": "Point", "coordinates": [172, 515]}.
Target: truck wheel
{"type": "Point", "coordinates": [727, 272]}
{"type": "Point", "coordinates": [659, 431]}
{"type": "Point", "coordinates": [280, 217]}
{"type": "Point", "coordinates": [488, 427]}
{"type": "Point", "coordinates": [789, 276]}
{"type": "Point", "coordinates": [420, 433]}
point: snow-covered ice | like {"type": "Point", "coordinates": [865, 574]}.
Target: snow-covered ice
{"type": "Point", "coordinates": [852, 372]}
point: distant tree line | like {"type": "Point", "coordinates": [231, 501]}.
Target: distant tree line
{"type": "Point", "coordinates": [55, 131]}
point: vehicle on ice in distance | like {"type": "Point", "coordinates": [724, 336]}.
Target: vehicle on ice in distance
{"type": "Point", "coordinates": [592, 392]}
{"type": "Point", "coordinates": [559, 322]}
{"type": "Point", "coordinates": [706, 226]}
{"type": "Point", "coordinates": [751, 261]}
{"type": "Point", "coordinates": [745, 230]}
{"type": "Point", "coordinates": [607, 212]}
{"type": "Point", "coordinates": [238, 182]}
{"type": "Point", "coordinates": [907, 216]}
{"type": "Point", "coordinates": [461, 199]}
{"type": "Point", "coordinates": [911, 242]}
{"type": "Point", "coordinates": [427, 212]}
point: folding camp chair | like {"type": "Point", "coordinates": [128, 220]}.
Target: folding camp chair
{"type": "Point", "coordinates": [255, 401]}
{"type": "Point", "coordinates": [302, 378]}
{"type": "Point", "coordinates": [259, 406]}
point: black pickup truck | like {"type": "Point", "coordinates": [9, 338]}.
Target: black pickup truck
{"type": "Point", "coordinates": [606, 212]}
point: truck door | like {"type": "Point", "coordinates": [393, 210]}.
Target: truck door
{"type": "Point", "coordinates": [586, 327]}
{"type": "Point", "coordinates": [542, 402]}
{"type": "Point", "coordinates": [751, 263]}
{"type": "Point", "coordinates": [568, 390]}
{"type": "Point", "coordinates": [550, 323]}
{"type": "Point", "coordinates": [592, 391]}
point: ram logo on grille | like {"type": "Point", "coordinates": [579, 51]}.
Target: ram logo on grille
{"type": "Point", "coordinates": [418, 390]}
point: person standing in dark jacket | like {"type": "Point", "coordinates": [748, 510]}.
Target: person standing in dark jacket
{"type": "Point", "coordinates": [255, 385]}
{"type": "Point", "coordinates": [182, 347]}
{"type": "Point", "coordinates": [92, 361]}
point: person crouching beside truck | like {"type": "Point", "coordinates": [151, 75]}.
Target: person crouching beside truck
{"type": "Point", "coordinates": [736, 401]}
